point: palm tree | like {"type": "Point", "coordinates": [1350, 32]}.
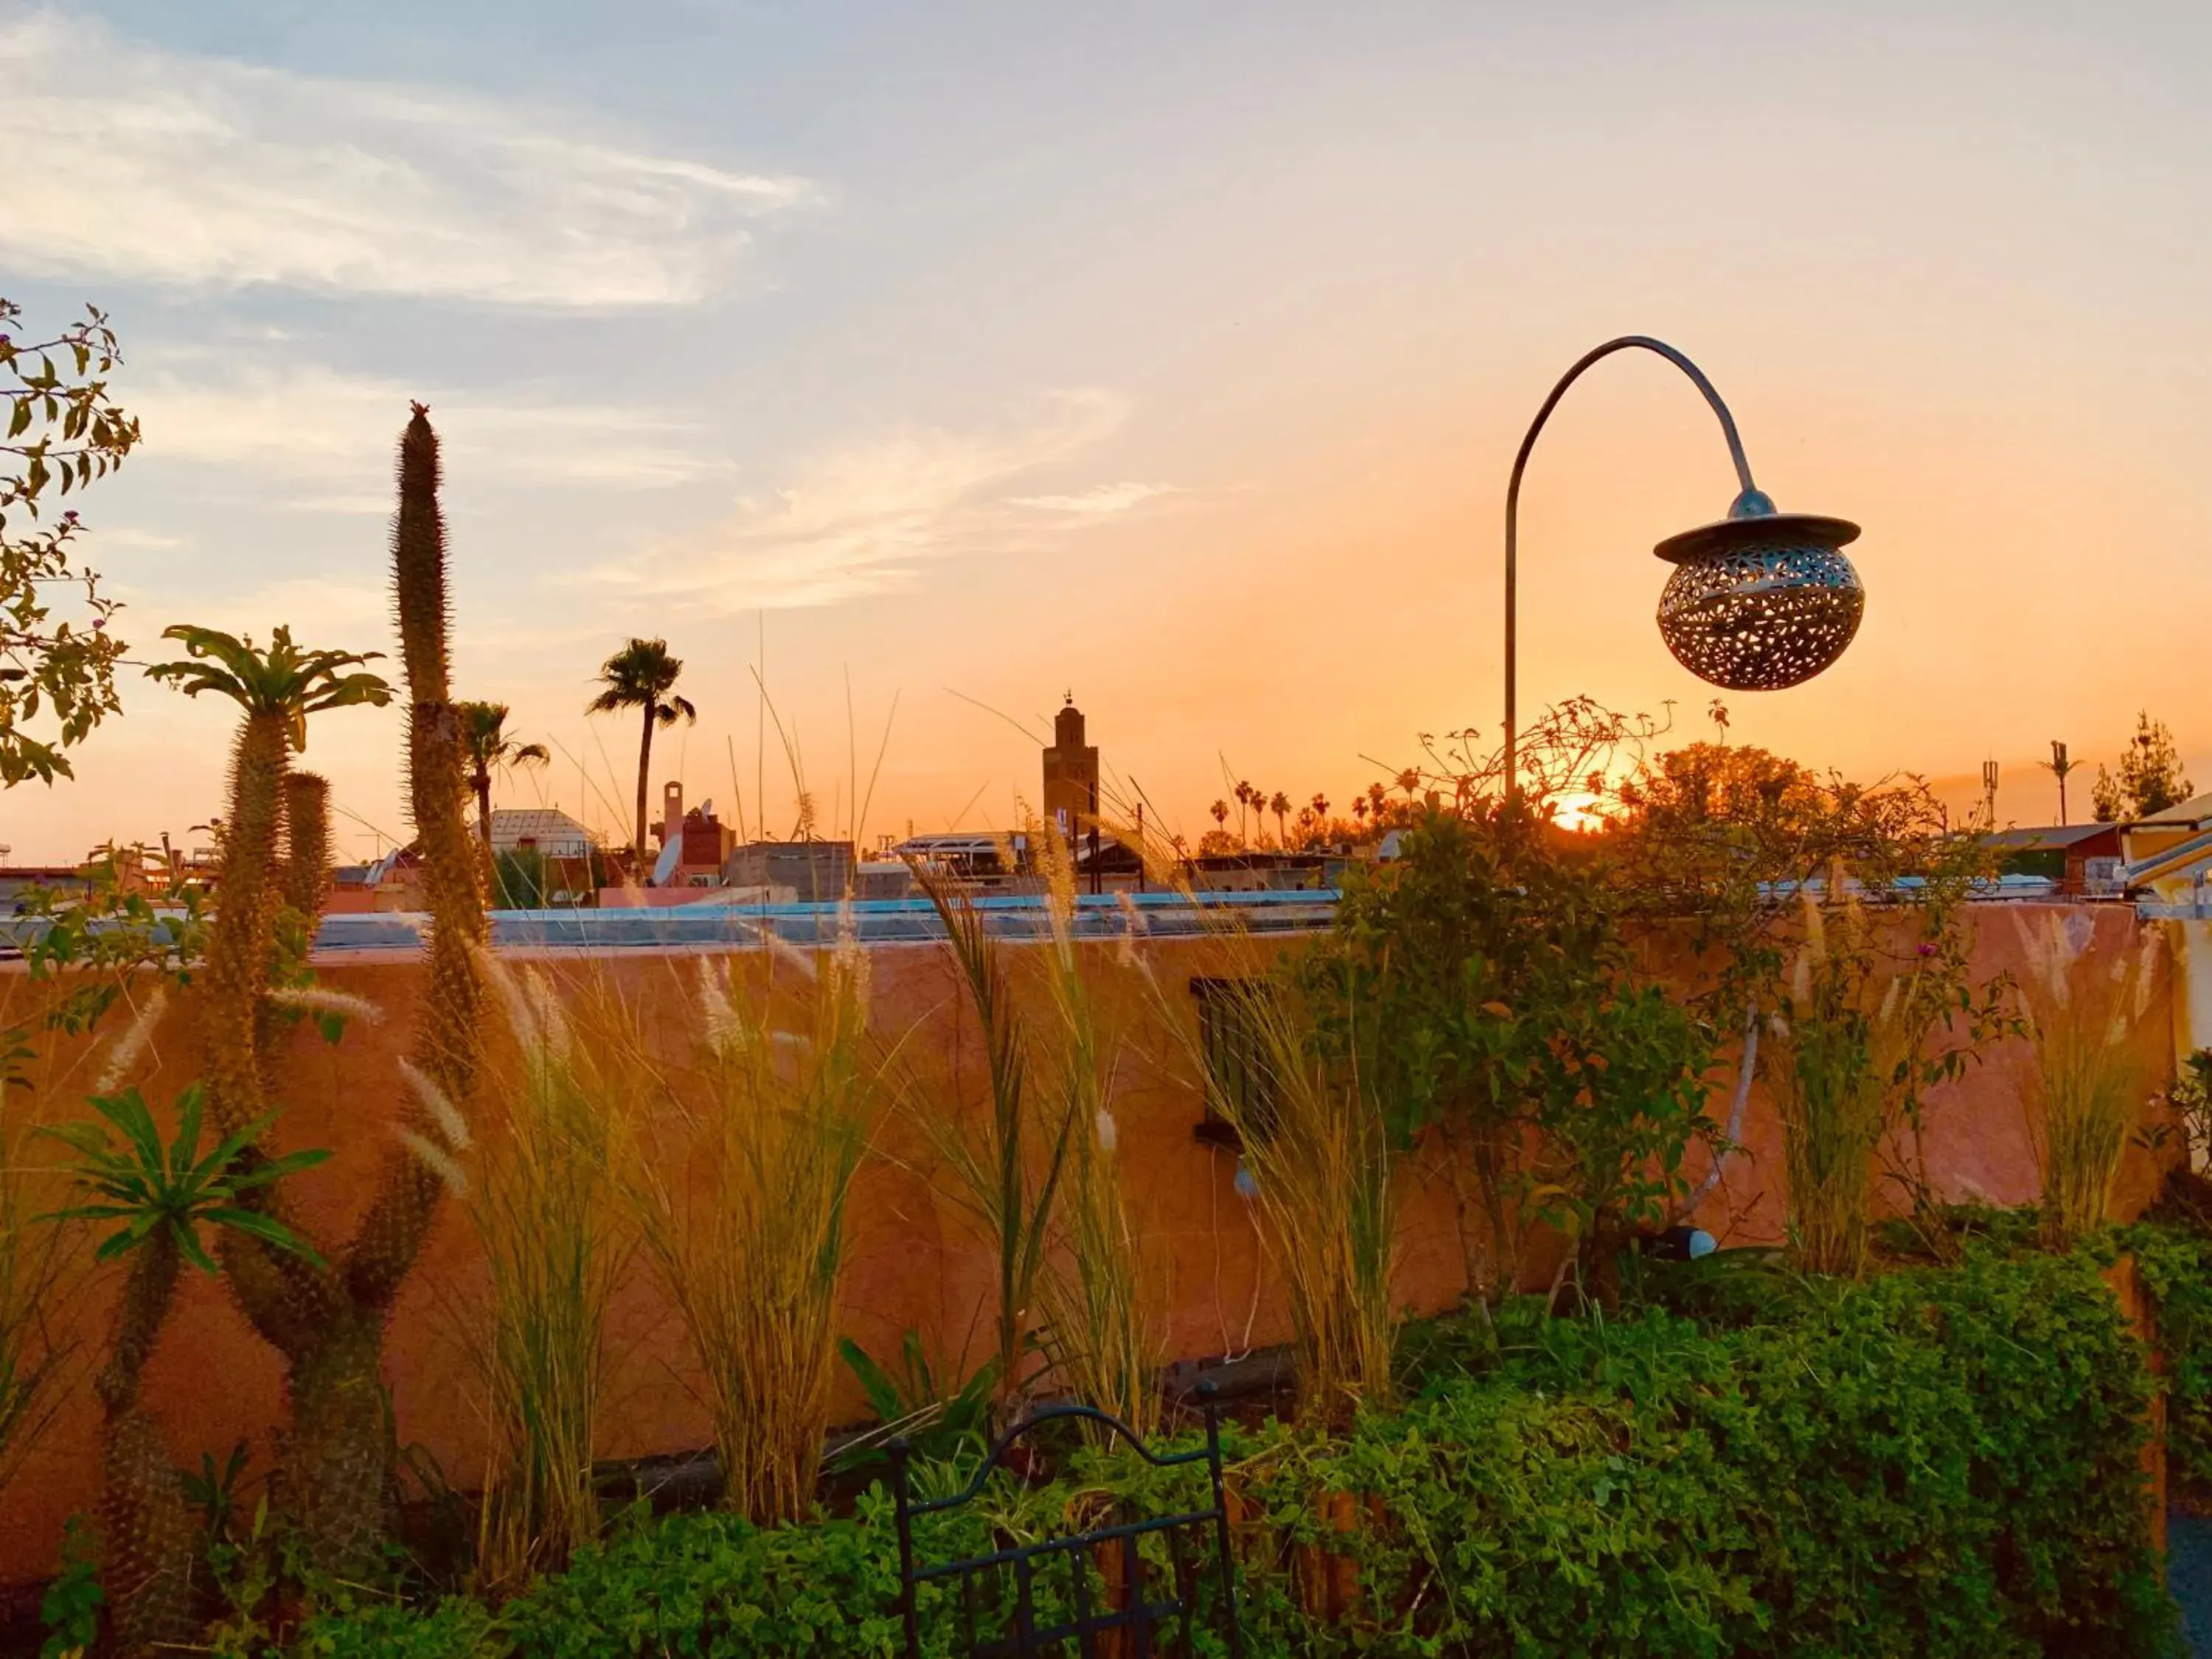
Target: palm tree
{"type": "Point", "coordinates": [1246, 796]}
{"type": "Point", "coordinates": [1280, 805]}
{"type": "Point", "coordinates": [1220, 811]}
{"type": "Point", "coordinates": [642, 675]}
{"type": "Point", "coordinates": [486, 748]}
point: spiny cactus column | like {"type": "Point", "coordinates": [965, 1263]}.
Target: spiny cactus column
{"type": "Point", "coordinates": [329, 1323]}
{"type": "Point", "coordinates": [338, 1444]}
{"type": "Point", "coordinates": [146, 1532]}
{"type": "Point", "coordinates": [306, 845]}
{"type": "Point", "coordinates": [286, 1298]}
{"type": "Point", "coordinates": [236, 978]}
{"type": "Point", "coordinates": [449, 1039]}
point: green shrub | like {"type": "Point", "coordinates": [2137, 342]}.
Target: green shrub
{"type": "Point", "coordinates": [1942, 1462]}
{"type": "Point", "coordinates": [2177, 1270]}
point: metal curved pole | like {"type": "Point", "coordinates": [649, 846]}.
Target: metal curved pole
{"type": "Point", "coordinates": [1513, 504]}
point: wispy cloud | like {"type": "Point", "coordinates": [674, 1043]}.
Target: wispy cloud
{"type": "Point", "coordinates": [1099, 501]}
{"type": "Point", "coordinates": [863, 521]}
{"type": "Point", "coordinates": [206, 173]}
{"type": "Point", "coordinates": [320, 610]}
{"type": "Point", "coordinates": [327, 437]}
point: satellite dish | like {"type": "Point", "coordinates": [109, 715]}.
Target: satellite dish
{"type": "Point", "coordinates": [671, 854]}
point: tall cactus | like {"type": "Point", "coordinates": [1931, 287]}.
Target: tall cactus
{"type": "Point", "coordinates": [328, 1323]}
{"type": "Point", "coordinates": [339, 1444]}
{"type": "Point", "coordinates": [146, 1532]}
{"type": "Point", "coordinates": [306, 845]}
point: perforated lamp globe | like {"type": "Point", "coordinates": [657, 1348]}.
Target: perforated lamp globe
{"type": "Point", "coordinates": [1763, 600]}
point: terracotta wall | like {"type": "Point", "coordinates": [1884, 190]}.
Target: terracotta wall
{"type": "Point", "coordinates": [914, 1265]}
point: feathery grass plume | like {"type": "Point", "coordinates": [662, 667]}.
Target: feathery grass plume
{"type": "Point", "coordinates": [2088, 1087]}
{"type": "Point", "coordinates": [323, 999]}
{"type": "Point", "coordinates": [1103, 1336]}
{"type": "Point", "coordinates": [545, 1205]}
{"type": "Point", "coordinates": [746, 1223]}
{"type": "Point", "coordinates": [1007, 1164]}
{"type": "Point", "coordinates": [123, 1054]}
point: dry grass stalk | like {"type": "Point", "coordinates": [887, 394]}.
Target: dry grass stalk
{"type": "Point", "coordinates": [43, 1265]}
{"type": "Point", "coordinates": [2088, 1088]}
{"type": "Point", "coordinates": [1318, 1152]}
{"type": "Point", "coordinates": [1007, 1166]}
{"type": "Point", "coordinates": [1103, 1336]}
{"type": "Point", "coordinates": [543, 1202]}
{"type": "Point", "coordinates": [753, 1253]}
{"type": "Point", "coordinates": [1323, 1167]}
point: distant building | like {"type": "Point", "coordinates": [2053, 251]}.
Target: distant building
{"type": "Point", "coordinates": [815, 872]}
{"type": "Point", "coordinates": [2169, 854]}
{"type": "Point", "coordinates": [2083, 858]}
{"type": "Point", "coordinates": [882, 878]}
{"type": "Point", "coordinates": [545, 831]}
{"type": "Point", "coordinates": [1262, 871]}
{"type": "Point", "coordinates": [18, 880]}
{"type": "Point", "coordinates": [707, 841]}
{"type": "Point", "coordinates": [968, 858]}
{"type": "Point", "coordinates": [1071, 774]}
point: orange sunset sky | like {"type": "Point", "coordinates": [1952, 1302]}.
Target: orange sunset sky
{"type": "Point", "coordinates": [1173, 354]}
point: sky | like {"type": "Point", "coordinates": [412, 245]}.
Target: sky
{"type": "Point", "coordinates": [924, 364]}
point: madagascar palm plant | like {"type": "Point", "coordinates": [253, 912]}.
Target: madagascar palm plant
{"type": "Point", "coordinates": [642, 676]}
{"type": "Point", "coordinates": [278, 690]}
{"type": "Point", "coordinates": [329, 1322]}
{"type": "Point", "coordinates": [283, 681]}
{"type": "Point", "coordinates": [486, 749]}
{"type": "Point", "coordinates": [159, 1198]}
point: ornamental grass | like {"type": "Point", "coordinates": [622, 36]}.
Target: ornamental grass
{"type": "Point", "coordinates": [541, 1193]}
{"type": "Point", "coordinates": [2090, 1084]}
{"type": "Point", "coordinates": [749, 1235]}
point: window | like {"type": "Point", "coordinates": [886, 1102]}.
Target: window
{"type": "Point", "coordinates": [1240, 1083]}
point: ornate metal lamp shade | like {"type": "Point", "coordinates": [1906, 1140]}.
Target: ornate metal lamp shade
{"type": "Point", "coordinates": [1763, 600]}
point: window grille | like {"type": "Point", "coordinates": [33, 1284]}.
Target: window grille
{"type": "Point", "coordinates": [1240, 1079]}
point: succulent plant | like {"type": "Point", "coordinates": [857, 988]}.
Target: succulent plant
{"type": "Point", "coordinates": [160, 1198]}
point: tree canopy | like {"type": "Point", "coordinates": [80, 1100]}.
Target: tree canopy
{"type": "Point", "coordinates": [63, 432]}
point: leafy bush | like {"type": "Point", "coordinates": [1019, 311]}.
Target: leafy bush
{"type": "Point", "coordinates": [2176, 1266]}
{"type": "Point", "coordinates": [1483, 986]}
{"type": "Point", "coordinates": [1943, 1462]}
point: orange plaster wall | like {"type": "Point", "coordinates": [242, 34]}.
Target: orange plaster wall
{"type": "Point", "coordinates": [915, 1262]}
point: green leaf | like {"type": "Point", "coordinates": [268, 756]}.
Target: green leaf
{"type": "Point", "coordinates": [269, 1231]}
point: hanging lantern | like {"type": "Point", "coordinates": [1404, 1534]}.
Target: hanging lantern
{"type": "Point", "coordinates": [1763, 600]}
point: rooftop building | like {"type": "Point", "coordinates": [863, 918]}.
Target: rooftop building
{"type": "Point", "coordinates": [545, 829]}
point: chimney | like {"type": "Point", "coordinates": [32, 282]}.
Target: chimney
{"type": "Point", "coordinates": [671, 812]}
